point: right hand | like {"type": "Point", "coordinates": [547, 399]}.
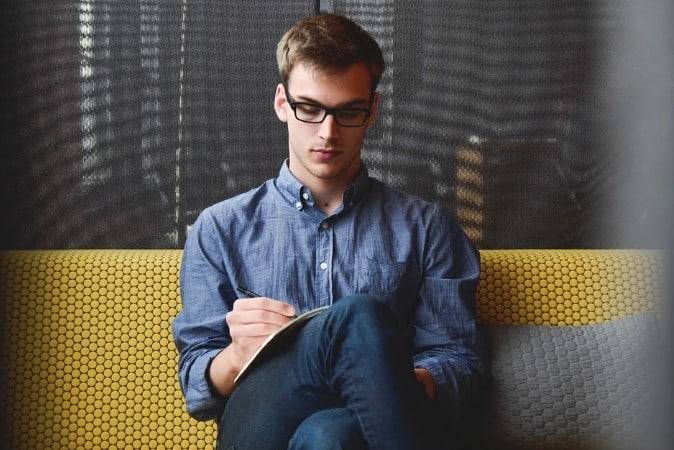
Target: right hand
{"type": "Point", "coordinates": [251, 321]}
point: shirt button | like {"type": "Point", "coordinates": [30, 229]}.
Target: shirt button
{"type": "Point", "coordinates": [324, 266]}
{"type": "Point", "coordinates": [298, 205]}
{"type": "Point", "coordinates": [325, 225]}
{"type": "Point", "coordinates": [305, 196]}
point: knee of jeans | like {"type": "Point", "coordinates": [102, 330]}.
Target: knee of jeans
{"type": "Point", "coordinates": [366, 308]}
{"type": "Point", "coordinates": [310, 437]}
{"type": "Point", "coordinates": [327, 431]}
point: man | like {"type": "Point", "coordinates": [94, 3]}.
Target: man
{"type": "Point", "coordinates": [396, 351]}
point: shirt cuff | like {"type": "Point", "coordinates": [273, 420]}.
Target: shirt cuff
{"type": "Point", "coordinates": [203, 402]}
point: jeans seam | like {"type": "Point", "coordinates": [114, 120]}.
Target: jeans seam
{"type": "Point", "coordinates": [359, 412]}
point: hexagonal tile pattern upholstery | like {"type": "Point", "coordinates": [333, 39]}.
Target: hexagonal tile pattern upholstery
{"type": "Point", "coordinates": [89, 361]}
{"type": "Point", "coordinates": [567, 287]}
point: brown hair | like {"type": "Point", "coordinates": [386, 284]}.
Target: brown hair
{"type": "Point", "coordinates": [329, 42]}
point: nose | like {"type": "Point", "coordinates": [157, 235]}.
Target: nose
{"type": "Point", "coordinates": [328, 128]}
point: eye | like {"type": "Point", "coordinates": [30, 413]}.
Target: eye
{"type": "Point", "coordinates": [350, 113]}
{"type": "Point", "coordinates": [308, 108]}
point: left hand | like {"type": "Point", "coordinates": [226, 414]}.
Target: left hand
{"type": "Point", "coordinates": [426, 379]}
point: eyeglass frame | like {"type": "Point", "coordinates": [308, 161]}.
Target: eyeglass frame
{"type": "Point", "coordinates": [329, 111]}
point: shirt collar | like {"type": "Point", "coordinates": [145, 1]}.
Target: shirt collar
{"type": "Point", "coordinates": [299, 195]}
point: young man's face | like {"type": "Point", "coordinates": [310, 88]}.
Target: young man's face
{"type": "Point", "coordinates": [325, 152]}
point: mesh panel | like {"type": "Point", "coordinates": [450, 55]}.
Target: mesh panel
{"type": "Point", "coordinates": [136, 114]}
{"type": "Point", "coordinates": [498, 90]}
{"type": "Point", "coordinates": [232, 138]}
{"type": "Point", "coordinates": [96, 106]}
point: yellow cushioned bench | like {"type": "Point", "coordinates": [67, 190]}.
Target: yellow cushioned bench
{"type": "Point", "coordinates": [88, 360]}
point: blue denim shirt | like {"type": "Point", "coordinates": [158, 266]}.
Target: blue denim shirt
{"type": "Point", "coordinates": [276, 242]}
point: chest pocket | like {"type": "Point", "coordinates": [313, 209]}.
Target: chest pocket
{"type": "Point", "coordinates": [381, 279]}
{"type": "Point", "coordinates": [392, 282]}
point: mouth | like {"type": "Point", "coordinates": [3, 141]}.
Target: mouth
{"type": "Point", "coordinates": [325, 154]}
{"type": "Point", "coordinates": [325, 150]}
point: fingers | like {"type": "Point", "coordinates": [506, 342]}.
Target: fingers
{"type": "Point", "coordinates": [263, 303]}
{"type": "Point", "coordinates": [252, 320]}
{"type": "Point", "coordinates": [237, 317]}
{"type": "Point", "coordinates": [253, 330]}
{"type": "Point", "coordinates": [260, 316]}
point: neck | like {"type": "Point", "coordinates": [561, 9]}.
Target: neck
{"type": "Point", "coordinates": [327, 192]}
{"type": "Point", "coordinates": [327, 197]}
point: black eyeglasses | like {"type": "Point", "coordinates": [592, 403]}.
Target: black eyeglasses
{"type": "Point", "coordinates": [312, 113]}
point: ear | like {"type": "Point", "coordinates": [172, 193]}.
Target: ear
{"type": "Point", "coordinates": [280, 103]}
{"type": "Point", "coordinates": [374, 110]}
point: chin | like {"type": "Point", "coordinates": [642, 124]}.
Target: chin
{"type": "Point", "coordinates": [327, 173]}
{"type": "Point", "coordinates": [336, 168]}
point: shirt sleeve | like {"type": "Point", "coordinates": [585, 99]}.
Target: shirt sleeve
{"type": "Point", "coordinates": [199, 330]}
{"type": "Point", "coordinates": [446, 340]}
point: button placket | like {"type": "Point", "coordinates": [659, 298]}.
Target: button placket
{"type": "Point", "coordinates": [324, 263]}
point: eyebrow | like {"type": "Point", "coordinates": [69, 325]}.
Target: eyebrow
{"type": "Point", "coordinates": [352, 103]}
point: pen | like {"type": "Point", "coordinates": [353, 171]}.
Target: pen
{"type": "Point", "coordinates": [248, 292]}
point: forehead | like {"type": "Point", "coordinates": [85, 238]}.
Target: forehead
{"type": "Point", "coordinates": [330, 87]}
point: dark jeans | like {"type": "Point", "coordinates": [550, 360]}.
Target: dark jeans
{"type": "Point", "coordinates": [345, 380]}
